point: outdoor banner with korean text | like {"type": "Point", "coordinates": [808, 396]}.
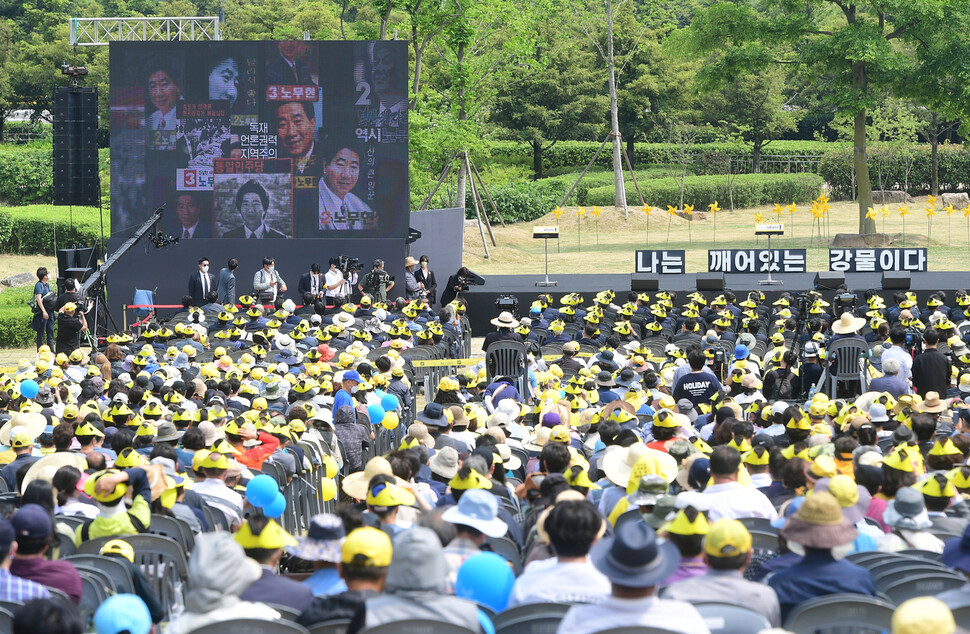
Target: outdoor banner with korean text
{"type": "Point", "coordinates": [877, 260]}
{"type": "Point", "coordinates": [672, 262]}
{"type": "Point", "coordinates": [756, 260]}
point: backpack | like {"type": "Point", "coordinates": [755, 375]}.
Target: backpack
{"type": "Point", "coordinates": [782, 389]}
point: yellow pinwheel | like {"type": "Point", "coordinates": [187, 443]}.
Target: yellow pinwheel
{"type": "Point", "coordinates": [596, 212]}
{"type": "Point", "coordinates": [885, 210]}
{"type": "Point", "coordinates": [646, 209]}
{"type": "Point", "coordinates": [949, 209]}
{"type": "Point", "coordinates": [818, 212]}
{"type": "Point", "coordinates": [871, 214]}
{"type": "Point", "coordinates": [713, 207]}
{"type": "Point", "coordinates": [791, 209]}
{"type": "Point", "coordinates": [558, 211]}
{"type": "Point", "coordinates": [671, 210]}
{"type": "Point", "coordinates": [904, 211]}
{"type": "Point", "coordinates": [689, 210]}
{"type": "Point", "coordinates": [930, 211]}
{"type": "Point", "coordinates": [759, 217]}
{"type": "Point", "coordinates": [778, 209]}
{"type": "Point", "coordinates": [931, 201]}
{"type": "Point", "coordinates": [580, 212]}
{"type": "Point", "coordinates": [822, 199]}
{"type": "Point", "coordinates": [966, 212]}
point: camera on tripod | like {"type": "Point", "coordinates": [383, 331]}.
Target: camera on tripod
{"type": "Point", "coordinates": [348, 265]}
{"type": "Point", "coordinates": [846, 302]}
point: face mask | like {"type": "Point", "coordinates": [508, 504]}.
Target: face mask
{"type": "Point", "coordinates": [272, 268]}
{"type": "Point", "coordinates": [354, 389]}
{"type": "Point", "coordinates": [205, 269]}
{"type": "Point", "coordinates": [424, 265]}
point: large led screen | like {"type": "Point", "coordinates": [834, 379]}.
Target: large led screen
{"type": "Point", "coordinates": [260, 140]}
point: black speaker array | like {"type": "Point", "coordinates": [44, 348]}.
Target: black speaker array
{"type": "Point", "coordinates": [710, 281]}
{"type": "Point", "coordinates": [644, 282]}
{"type": "Point", "coordinates": [76, 179]}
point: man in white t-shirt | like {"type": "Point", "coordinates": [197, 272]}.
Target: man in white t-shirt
{"type": "Point", "coordinates": [338, 288]}
{"type": "Point", "coordinates": [728, 497]}
{"type": "Point", "coordinates": [573, 525]}
{"type": "Point", "coordinates": [635, 561]}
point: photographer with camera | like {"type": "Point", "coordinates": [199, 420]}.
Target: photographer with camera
{"type": "Point", "coordinates": [377, 283]}
{"type": "Point", "coordinates": [338, 286]}
{"type": "Point", "coordinates": [267, 283]}
{"type": "Point", "coordinates": [71, 322]}
{"type": "Point", "coordinates": [457, 283]}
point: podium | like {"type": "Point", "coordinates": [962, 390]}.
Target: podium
{"type": "Point", "coordinates": [769, 230]}
{"type": "Point", "coordinates": [545, 234]}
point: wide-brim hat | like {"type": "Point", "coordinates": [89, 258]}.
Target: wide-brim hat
{"type": "Point", "coordinates": [616, 404]}
{"type": "Point", "coordinates": [409, 261]}
{"type": "Point", "coordinates": [34, 422]}
{"type": "Point", "coordinates": [343, 320]}
{"type": "Point", "coordinates": [634, 556]}
{"type": "Point", "coordinates": [504, 320]}
{"type": "Point", "coordinates": [932, 404]}
{"type": "Point", "coordinates": [847, 324]}
{"type": "Point", "coordinates": [167, 432]}
{"type": "Point", "coordinates": [618, 463]}
{"type": "Point", "coordinates": [819, 523]}
{"type": "Point", "coordinates": [444, 462]}
{"type": "Point", "coordinates": [356, 484]}
{"type": "Point", "coordinates": [493, 527]}
{"type": "Point", "coordinates": [45, 468]}
{"type": "Point", "coordinates": [323, 541]}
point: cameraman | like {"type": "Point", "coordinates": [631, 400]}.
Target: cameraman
{"type": "Point", "coordinates": [70, 325]}
{"type": "Point", "coordinates": [456, 284]}
{"type": "Point", "coordinates": [377, 283]}
{"type": "Point", "coordinates": [338, 288]}
{"type": "Point", "coordinates": [412, 287]}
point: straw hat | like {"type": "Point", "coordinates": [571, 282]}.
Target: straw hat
{"type": "Point", "coordinates": [34, 422]}
{"type": "Point", "coordinates": [847, 324]}
{"type": "Point", "coordinates": [505, 320]}
{"type": "Point", "coordinates": [819, 523]}
{"type": "Point", "coordinates": [932, 404]}
{"type": "Point", "coordinates": [618, 463]}
{"type": "Point", "coordinates": [45, 468]}
{"type": "Point", "coordinates": [355, 485]}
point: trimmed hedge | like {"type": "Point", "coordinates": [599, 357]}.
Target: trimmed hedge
{"type": "Point", "coordinates": [520, 201]}
{"type": "Point", "coordinates": [750, 190]}
{"type": "Point", "coordinates": [30, 229]}
{"type": "Point", "coordinates": [836, 168]}
{"type": "Point", "coordinates": [15, 316]}
{"type": "Point", "coordinates": [707, 156]}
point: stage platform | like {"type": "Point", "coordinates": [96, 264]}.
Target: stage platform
{"type": "Point", "coordinates": [481, 299]}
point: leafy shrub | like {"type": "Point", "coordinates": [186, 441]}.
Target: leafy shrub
{"type": "Point", "coordinates": [15, 316]}
{"type": "Point", "coordinates": [520, 201]}
{"type": "Point", "coordinates": [907, 167]}
{"type": "Point", "coordinates": [32, 228]}
{"type": "Point", "coordinates": [749, 190]}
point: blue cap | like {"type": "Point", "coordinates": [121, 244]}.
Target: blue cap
{"type": "Point", "coordinates": [123, 613]}
{"type": "Point", "coordinates": [31, 522]}
{"type": "Point", "coordinates": [351, 375]}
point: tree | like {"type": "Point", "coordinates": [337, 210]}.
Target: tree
{"type": "Point", "coordinates": [562, 101]}
{"type": "Point", "coordinates": [753, 106]}
{"type": "Point", "coordinates": [851, 46]}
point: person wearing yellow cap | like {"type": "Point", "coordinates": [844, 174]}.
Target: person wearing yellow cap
{"type": "Point", "coordinates": [938, 492]}
{"type": "Point", "coordinates": [108, 488]}
{"type": "Point", "coordinates": [214, 468]}
{"type": "Point", "coordinates": [727, 553]}
{"type": "Point", "coordinates": [70, 324]}
{"type": "Point", "coordinates": [363, 561]}
{"type": "Point", "coordinates": [264, 540]}
{"type": "Point", "coordinates": [122, 552]}
{"type": "Point", "coordinates": [238, 432]}
{"type": "Point", "coordinates": [686, 531]}
{"type": "Point", "coordinates": [23, 446]}
{"type": "Point", "coordinates": [728, 498]}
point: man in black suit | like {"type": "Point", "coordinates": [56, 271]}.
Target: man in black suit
{"type": "Point", "coordinates": [189, 212]}
{"type": "Point", "coordinates": [201, 282]}
{"type": "Point", "coordinates": [312, 283]}
{"type": "Point", "coordinates": [252, 202]}
{"type": "Point", "coordinates": [287, 66]}
{"type": "Point", "coordinates": [227, 283]}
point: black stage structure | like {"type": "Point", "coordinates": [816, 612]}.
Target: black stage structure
{"type": "Point", "coordinates": [482, 299]}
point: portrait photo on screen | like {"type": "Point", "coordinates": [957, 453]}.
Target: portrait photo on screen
{"type": "Point", "coordinates": [229, 72]}
{"type": "Point", "coordinates": [164, 81]}
{"type": "Point", "coordinates": [292, 63]}
{"type": "Point", "coordinates": [381, 84]}
{"type": "Point", "coordinates": [253, 205]}
{"type": "Point", "coordinates": [296, 124]}
{"type": "Point", "coordinates": [190, 215]}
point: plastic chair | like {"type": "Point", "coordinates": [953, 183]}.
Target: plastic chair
{"type": "Point", "coordinates": [725, 618]}
{"type": "Point", "coordinates": [175, 528]}
{"type": "Point", "coordinates": [93, 594]}
{"type": "Point", "coordinates": [848, 359]}
{"type": "Point", "coordinates": [869, 558]}
{"type": "Point", "coordinates": [6, 620]}
{"type": "Point", "coordinates": [288, 613]}
{"type": "Point", "coordinates": [856, 613]}
{"type": "Point", "coordinates": [119, 572]}
{"type": "Point", "coordinates": [93, 546]}
{"type": "Point", "coordinates": [921, 554]}
{"type": "Point", "coordinates": [338, 626]}
{"type": "Point", "coordinates": [635, 629]}
{"type": "Point", "coordinates": [65, 545]}
{"type": "Point", "coordinates": [764, 541]}
{"type": "Point", "coordinates": [252, 626]}
{"type": "Point", "coordinates": [758, 523]}
{"type": "Point", "coordinates": [508, 358]}
{"type": "Point", "coordinates": [879, 568]}
{"type": "Point", "coordinates": [888, 578]}
{"type": "Point", "coordinates": [418, 626]}
{"type": "Point", "coordinates": [921, 585]}
{"type": "Point", "coordinates": [509, 550]}
{"type": "Point", "coordinates": [9, 606]}
{"type": "Point", "coordinates": [529, 618]}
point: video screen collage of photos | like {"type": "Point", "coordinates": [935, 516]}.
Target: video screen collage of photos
{"type": "Point", "coordinates": [253, 140]}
